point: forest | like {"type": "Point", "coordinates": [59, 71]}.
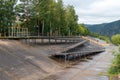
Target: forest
{"type": "Point", "coordinates": [41, 17]}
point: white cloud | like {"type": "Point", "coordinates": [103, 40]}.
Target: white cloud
{"type": "Point", "coordinates": [96, 11]}
{"type": "Point", "coordinates": [103, 6]}
{"type": "Point", "coordinates": [97, 20]}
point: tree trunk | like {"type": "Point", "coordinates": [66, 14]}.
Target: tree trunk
{"type": "Point", "coordinates": [43, 29]}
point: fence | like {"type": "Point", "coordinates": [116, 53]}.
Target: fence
{"type": "Point", "coordinates": [17, 32]}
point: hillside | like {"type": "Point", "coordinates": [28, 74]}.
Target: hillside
{"type": "Point", "coordinates": [107, 29]}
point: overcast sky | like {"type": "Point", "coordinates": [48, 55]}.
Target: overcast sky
{"type": "Point", "coordinates": [96, 11]}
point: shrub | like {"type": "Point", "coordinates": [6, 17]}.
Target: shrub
{"type": "Point", "coordinates": [116, 39]}
{"type": "Point", "coordinates": [115, 68]}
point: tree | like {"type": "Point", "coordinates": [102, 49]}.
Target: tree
{"type": "Point", "coordinates": [27, 9]}
{"type": "Point", "coordinates": [60, 17]}
{"type": "Point", "coordinates": [71, 19]}
{"type": "Point", "coordinates": [82, 30]}
{"type": "Point", "coordinates": [43, 16]}
{"type": "Point", "coordinates": [22, 9]}
{"type": "Point", "coordinates": [7, 15]}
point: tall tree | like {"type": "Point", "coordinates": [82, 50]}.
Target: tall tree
{"type": "Point", "coordinates": [71, 19]}
{"type": "Point", "coordinates": [7, 14]}
{"type": "Point", "coordinates": [50, 16]}
{"type": "Point", "coordinates": [60, 17]}
{"type": "Point", "coordinates": [27, 9]}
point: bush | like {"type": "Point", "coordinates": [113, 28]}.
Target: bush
{"type": "Point", "coordinates": [116, 39]}
{"type": "Point", "coordinates": [104, 38]}
{"type": "Point", "coordinates": [115, 68]}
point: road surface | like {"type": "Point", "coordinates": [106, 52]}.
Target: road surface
{"type": "Point", "coordinates": [90, 69]}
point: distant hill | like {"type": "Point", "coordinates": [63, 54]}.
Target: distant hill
{"type": "Point", "coordinates": [107, 29]}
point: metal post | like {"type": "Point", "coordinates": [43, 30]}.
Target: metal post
{"type": "Point", "coordinates": [27, 32]}
{"type": "Point", "coordinates": [17, 32]}
{"type": "Point", "coordinates": [55, 41]}
{"type": "Point", "coordinates": [65, 60]}
{"type": "Point", "coordinates": [8, 32]}
{"type": "Point", "coordinates": [13, 31]}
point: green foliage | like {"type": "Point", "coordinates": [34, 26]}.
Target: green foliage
{"type": "Point", "coordinates": [82, 30]}
{"type": "Point", "coordinates": [43, 16]}
{"type": "Point", "coordinates": [71, 20]}
{"type": "Point", "coordinates": [58, 19]}
{"type": "Point", "coordinates": [116, 39]}
{"type": "Point", "coordinates": [107, 29]}
{"type": "Point", "coordinates": [115, 68]}
{"type": "Point", "coordinates": [6, 14]}
{"type": "Point", "coordinates": [105, 38]}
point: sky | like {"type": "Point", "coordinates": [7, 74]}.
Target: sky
{"type": "Point", "coordinates": [96, 11]}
